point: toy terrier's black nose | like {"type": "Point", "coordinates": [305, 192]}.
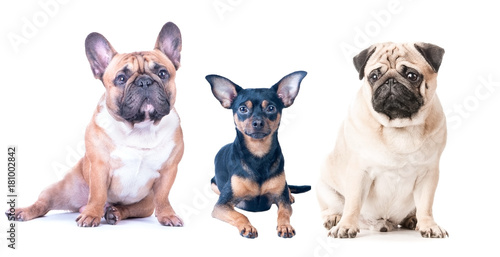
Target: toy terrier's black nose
{"type": "Point", "coordinates": [257, 123]}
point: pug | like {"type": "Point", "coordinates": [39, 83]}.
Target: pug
{"type": "Point", "coordinates": [384, 169]}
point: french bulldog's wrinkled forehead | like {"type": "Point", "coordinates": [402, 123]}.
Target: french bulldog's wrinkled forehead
{"type": "Point", "coordinates": [143, 62]}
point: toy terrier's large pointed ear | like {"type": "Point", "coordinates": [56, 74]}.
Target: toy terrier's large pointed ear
{"type": "Point", "coordinates": [223, 89]}
{"type": "Point", "coordinates": [288, 87]}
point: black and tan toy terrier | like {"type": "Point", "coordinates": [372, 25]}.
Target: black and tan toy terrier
{"type": "Point", "coordinates": [249, 173]}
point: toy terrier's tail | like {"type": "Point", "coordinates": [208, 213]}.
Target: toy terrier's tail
{"type": "Point", "coordinates": [299, 189]}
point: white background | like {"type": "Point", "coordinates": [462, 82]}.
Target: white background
{"type": "Point", "coordinates": [48, 95]}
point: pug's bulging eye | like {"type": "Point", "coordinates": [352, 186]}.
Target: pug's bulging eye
{"type": "Point", "coordinates": [374, 76]}
{"type": "Point", "coordinates": [412, 76]}
{"type": "Point", "coordinates": [162, 74]}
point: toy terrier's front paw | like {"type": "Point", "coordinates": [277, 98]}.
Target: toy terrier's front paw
{"type": "Point", "coordinates": [285, 231]}
{"type": "Point", "coordinates": [248, 231]}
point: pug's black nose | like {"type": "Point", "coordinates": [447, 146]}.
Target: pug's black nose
{"type": "Point", "coordinates": [144, 81]}
{"type": "Point", "coordinates": [391, 82]}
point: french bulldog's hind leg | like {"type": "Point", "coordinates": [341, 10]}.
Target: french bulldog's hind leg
{"type": "Point", "coordinates": [69, 194]}
{"type": "Point", "coordinates": [141, 209]}
{"type": "Point", "coordinates": [36, 210]}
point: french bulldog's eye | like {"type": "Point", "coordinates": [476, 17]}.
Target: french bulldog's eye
{"type": "Point", "coordinates": [120, 79]}
{"type": "Point", "coordinates": [162, 74]}
{"type": "Point", "coordinates": [271, 109]}
{"type": "Point", "coordinates": [243, 109]}
{"type": "Point", "coordinates": [412, 76]}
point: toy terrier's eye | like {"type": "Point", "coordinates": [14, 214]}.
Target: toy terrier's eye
{"type": "Point", "coordinates": [243, 109]}
{"type": "Point", "coordinates": [271, 109]}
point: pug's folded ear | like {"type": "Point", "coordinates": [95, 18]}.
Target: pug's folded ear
{"type": "Point", "coordinates": [433, 54]}
{"type": "Point", "coordinates": [361, 59]}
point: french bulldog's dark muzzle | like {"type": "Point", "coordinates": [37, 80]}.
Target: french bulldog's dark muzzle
{"type": "Point", "coordinates": [144, 99]}
{"type": "Point", "coordinates": [396, 100]}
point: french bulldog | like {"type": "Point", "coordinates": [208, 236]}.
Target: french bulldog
{"type": "Point", "coordinates": [133, 143]}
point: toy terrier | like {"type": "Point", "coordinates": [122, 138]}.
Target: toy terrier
{"type": "Point", "coordinates": [249, 173]}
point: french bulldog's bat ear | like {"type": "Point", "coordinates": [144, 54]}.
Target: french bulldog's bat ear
{"type": "Point", "coordinates": [361, 59]}
{"type": "Point", "coordinates": [288, 87]}
{"type": "Point", "coordinates": [99, 53]}
{"type": "Point", "coordinates": [433, 54]}
{"type": "Point", "coordinates": [223, 89]}
{"type": "Point", "coordinates": [169, 41]}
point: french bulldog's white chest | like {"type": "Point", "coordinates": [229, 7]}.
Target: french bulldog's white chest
{"type": "Point", "coordinates": [138, 156]}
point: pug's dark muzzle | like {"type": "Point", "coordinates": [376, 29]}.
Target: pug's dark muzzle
{"type": "Point", "coordinates": [145, 99]}
{"type": "Point", "coordinates": [395, 100]}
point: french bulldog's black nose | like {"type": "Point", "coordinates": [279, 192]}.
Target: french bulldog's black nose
{"type": "Point", "coordinates": [257, 123]}
{"type": "Point", "coordinates": [144, 81]}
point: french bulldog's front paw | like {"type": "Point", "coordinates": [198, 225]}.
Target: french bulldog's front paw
{"type": "Point", "coordinates": [171, 220]}
{"type": "Point", "coordinates": [112, 215]}
{"type": "Point", "coordinates": [433, 232]}
{"type": "Point", "coordinates": [88, 219]}
{"type": "Point", "coordinates": [248, 231]}
{"type": "Point", "coordinates": [344, 231]}
{"type": "Point", "coordinates": [285, 231]}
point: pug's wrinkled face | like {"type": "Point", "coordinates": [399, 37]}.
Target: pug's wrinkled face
{"type": "Point", "coordinates": [400, 79]}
